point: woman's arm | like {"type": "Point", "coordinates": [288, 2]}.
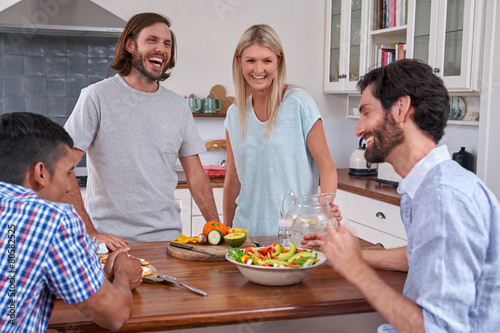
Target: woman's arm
{"type": "Point", "coordinates": [316, 142]}
{"type": "Point", "coordinates": [231, 186]}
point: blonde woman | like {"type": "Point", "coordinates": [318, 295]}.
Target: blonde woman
{"type": "Point", "coordinates": [275, 137]}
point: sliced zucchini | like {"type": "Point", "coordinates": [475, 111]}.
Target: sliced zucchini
{"type": "Point", "coordinates": [215, 237]}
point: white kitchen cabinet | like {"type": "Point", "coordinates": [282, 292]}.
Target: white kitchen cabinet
{"type": "Point", "coordinates": [183, 198]}
{"type": "Point", "coordinates": [446, 34]}
{"type": "Point", "coordinates": [345, 42]}
{"type": "Point", "coordinates": [341, 201]}
{"type": "Point", "coordinates": [191, 216]}
{"type": "Point", "coordinates": [372, 220]}
{"type": "Point", "coordinates": [198, 221]}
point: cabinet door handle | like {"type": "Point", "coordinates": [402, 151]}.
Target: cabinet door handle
{"type": "Point", "coordinates": [380, 215]}
{"type": "Point", "coordinates": [436, 70]}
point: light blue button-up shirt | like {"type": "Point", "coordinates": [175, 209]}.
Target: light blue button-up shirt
{"type": "Point", "coordinates": [453, 225]}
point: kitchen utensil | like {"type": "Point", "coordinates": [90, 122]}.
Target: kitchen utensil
{"type": "Point", "coordinates": [211, 105]}
{"type": "Point", "coordinates": [358, 165]}
{"type": "Point", "coordinates": [464, 158]}
{"type": "Point", "coordinates": [216, 144]}
{"type": "Point", "coordinates": [276, 276]}
{"type": "Point", "coordinates": [194, 104]}
{"type": "Point", "coordinates": [259, 244]}
{"type": "Point", "coordinates": [219, 251]}
{"type": "Point", "coordinates": [218, 91]}
{"type": "Point", "coordinates": [190, 248]}
{"type": "Point", "coordinates": [472, 116]}
{"type": "Point", "coordinates": [458, 108]}
{"type": "Point", "coordinates": [310, 213]}
{"type": "Point", "coordinates": [193, 289]}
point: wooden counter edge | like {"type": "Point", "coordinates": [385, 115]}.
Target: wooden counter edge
{"type": "Point", "coordinates": [197, 320]}
{"type": "Point", "coordinates": [369, 194]}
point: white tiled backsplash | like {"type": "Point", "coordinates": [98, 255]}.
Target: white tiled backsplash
{"type": "Point", "coordinates": [211, 129]}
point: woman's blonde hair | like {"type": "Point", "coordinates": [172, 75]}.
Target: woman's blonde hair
{"type": "Point", "coordinates": [264, 35]}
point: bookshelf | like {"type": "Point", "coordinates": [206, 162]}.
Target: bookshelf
{"type": "Point", "coordinates": [446, 34]}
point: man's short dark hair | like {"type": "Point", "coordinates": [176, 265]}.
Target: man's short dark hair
{"type": "Point", "coordinates": [409, 77]}
{"type": "Point", "coordinates": [26, 139]}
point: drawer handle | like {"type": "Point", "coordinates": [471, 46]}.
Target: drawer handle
{"type": "Point", "coordinates": [380, 215]}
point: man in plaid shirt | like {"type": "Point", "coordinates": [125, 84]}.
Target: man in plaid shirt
{"type": "Point", "coordinates": [44, 248]}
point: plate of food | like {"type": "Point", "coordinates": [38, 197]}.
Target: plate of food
{"type": "Point", "coordinates": [147, 269]}
{"type": "Point", "coordinates": [275, 265]}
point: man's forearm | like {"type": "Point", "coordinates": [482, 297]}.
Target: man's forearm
{"type": "Point", "coordinates": [74, 197]}
{"type": "Point", "coordinates": [401, 312]}
{"type": "Point", "coordinates": [201, 190]}
{"type": "Point", "coordinates": [393, 259]}
{"type": "Point", "coordinates": [110, 306]}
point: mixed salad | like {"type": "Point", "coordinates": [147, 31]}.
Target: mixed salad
{"type": "Point", "coordinates": [274, 255]}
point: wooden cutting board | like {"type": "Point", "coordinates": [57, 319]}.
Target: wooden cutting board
{"type": "Point", "coordinates": [219, 251]}
{"type": "Point", "coordinates": [218, 91]}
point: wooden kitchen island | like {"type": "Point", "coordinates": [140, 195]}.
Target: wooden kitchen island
{"type": "Point", "coordinates": [232, 299]}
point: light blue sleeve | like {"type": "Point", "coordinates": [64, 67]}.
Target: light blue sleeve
{"type": "Point", "coordinates": [446, 256]}
{"type": "Point", "coordinates": [309, 111]}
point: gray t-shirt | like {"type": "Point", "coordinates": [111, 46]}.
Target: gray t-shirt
{"type": "Point", "coordinates": [132, 139]}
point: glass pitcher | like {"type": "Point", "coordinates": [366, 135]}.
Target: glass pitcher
{"type": "Point", "coordinates": [310, 213]}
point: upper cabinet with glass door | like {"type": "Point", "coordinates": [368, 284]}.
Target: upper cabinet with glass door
{"type": "Point", "coordinates": [447, 35]}
{"type": "Point", "coordinates": [345, 40]}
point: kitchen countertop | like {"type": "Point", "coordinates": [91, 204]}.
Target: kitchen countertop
{"type": "Point", "coordinates": [367, 188]}
{"type": "Point", "coordinates": [232, 299]}
{"type": "Point", "coordinates": [182, 183]}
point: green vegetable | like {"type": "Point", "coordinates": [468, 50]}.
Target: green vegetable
{"type": "Point", "coordinates": [215, 237]}
{"type": "Point", "coordinates": [235, 253]}
{"type": "Point", "coordinates": [303, 258]}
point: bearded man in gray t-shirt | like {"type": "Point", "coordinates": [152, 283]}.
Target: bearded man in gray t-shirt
{"type": "Point", "coordinates": [133, 130]}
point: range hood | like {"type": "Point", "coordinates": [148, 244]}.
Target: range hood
{"type": "Point", "coordinates": [60, 17]}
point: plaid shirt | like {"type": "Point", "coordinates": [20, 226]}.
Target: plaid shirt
{"type": "Point", "coordinates": [44, 252]}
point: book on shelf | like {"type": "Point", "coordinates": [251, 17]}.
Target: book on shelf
{"type": "Point", "coordinates": [400, 49]}
{"type": "Point", "coordinates": [385, 54]}
{"type": "Point", "coordinates": [390, 13]}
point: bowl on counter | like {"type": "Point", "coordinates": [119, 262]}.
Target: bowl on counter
{"type": "Point", "coordinates": [276, 276]}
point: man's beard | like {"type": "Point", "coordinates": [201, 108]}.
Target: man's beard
{"type": "Point", "coordinates": [386, 137]}
{"type": "Point", "coordinates": [138, 63]}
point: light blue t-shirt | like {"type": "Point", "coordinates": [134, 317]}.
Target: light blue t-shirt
{"type": "Point", "coordinates": [269, 167]}
{"type": "Point", "coordinates": [453, 226]}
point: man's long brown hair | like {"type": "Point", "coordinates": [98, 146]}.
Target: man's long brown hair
{"type": "Point", "coordinates": [122, 59]}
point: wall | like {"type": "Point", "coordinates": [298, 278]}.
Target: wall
{"type": "Point", "coordinates": [45, 74]}
{"type": "Point", "coordinates": [490, 99]}
{"type": "Point", "coordinates": [207, 32]}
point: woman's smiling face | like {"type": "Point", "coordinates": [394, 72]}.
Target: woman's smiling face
{"type": "Point", "coordinates": [259, 64]}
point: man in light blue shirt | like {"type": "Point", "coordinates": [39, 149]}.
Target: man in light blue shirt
{"type": "Point", "coordinates": [451, 218]}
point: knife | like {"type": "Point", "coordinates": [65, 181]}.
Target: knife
{"type": "Point", "coordinates": [198, 291]}
{"type": "Point", "coordinates": [187, 247]}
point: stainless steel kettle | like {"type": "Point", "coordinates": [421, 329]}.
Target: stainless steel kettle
{"type": "Point", "coordinates": [358, 165]}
